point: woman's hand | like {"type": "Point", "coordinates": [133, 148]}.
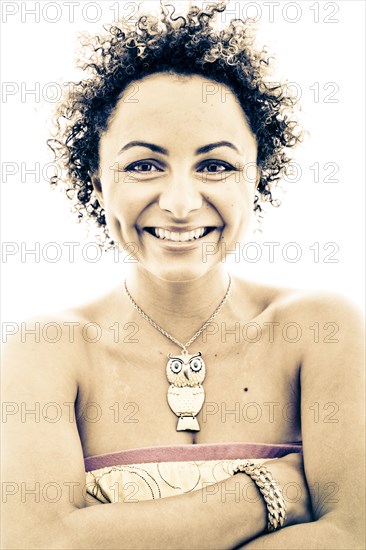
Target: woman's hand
{"type": "Point", "coordinates": [289, 473]}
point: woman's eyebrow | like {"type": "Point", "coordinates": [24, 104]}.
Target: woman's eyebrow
{"type": "Point", "coordinates": [163, 151]}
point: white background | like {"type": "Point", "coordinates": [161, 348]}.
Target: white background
{"type": "Point", "coordinates": [310, 52]}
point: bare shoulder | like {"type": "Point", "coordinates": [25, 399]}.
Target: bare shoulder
{"type": "Point", "coordinates": [311, 319]}
{"type": "Point", "coordinates": [321, 303]}
{"type": "Point", "coordinates": [58, 328]}
{"type": "Point", "coordinates": [69, 326]}
{"type": "Point", "coordinates": [330, 332]}
{"type": "Point", "coordinates": [324, 317]}
{"type": "Point", "coordinates": [51, 345]}
{"type": "Point", "coordinates": [60, 343]}
{"type": "Point", "coordinates": [303, 304]}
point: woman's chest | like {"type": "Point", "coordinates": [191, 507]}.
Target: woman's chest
{"type": "Point", "coordinates": [251, 393]}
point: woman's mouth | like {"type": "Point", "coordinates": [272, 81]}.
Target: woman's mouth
{"type": "Point", "coordinates": [179, 236]}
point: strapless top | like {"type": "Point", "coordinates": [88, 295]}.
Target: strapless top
{"type": "Point", "coordinates": [149, 473]}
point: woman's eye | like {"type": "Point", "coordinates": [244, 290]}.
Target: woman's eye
{"type": "Point", "coordinates": [209, 167]}
{"type": "Point", "coordinates": [143, 166]}
{"type": "Point", "coordinates": [216, 167]}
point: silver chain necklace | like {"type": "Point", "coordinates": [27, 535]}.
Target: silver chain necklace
{"type": "Point", "coordinates": [185, 372]}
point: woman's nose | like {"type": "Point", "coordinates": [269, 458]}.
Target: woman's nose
{"type": "Point", "coordinates": [180, 196]}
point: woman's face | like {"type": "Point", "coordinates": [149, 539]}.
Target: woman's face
{"type": "Point", "coordinates": [166, 183]}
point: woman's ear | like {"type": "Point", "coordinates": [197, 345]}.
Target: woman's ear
{"type": "Point", "coordinates": [97, 186]}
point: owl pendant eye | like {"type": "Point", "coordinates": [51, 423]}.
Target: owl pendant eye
{"type": "Point", "coordinates": [186, 395]}
{"type": "Point", "coordinates": [175, 366]}
{"type": "Point", "coordinates": [196, 365]}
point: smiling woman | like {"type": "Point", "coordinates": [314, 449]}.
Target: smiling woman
{"type": "Point", "coordinates": [231, 71]}
{"type": "Point", "coordinates": [172, 144]}
{"type": "Point", "coordinates": [193, 190]}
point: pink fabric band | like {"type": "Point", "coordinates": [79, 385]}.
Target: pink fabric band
{"type": "Point", "coordinates": [203, 451]}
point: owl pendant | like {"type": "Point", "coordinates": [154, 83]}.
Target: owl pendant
{"type": "Point", "coordinates": [186, 394]}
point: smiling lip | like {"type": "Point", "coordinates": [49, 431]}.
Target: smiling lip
{"type": "Point", "coordinates": [173, 238]}
{"type": "Point", "coordinates": [179, 235]}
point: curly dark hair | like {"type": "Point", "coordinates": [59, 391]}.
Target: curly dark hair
{"type": "Point", "coordinates": [184, 46]}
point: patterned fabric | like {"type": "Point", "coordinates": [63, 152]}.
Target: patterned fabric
{"type": "Point", "coordinates": [158, 472]}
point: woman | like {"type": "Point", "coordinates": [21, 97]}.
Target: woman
{"type": "Point", "coordinates": [160, 146]}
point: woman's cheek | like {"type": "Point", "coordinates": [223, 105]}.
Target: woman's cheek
{"type": "Point", "coordinates": [115, 220]}
{"type": "Point", "coordinates": [114, 228]}
{"type": "Point", "coordinates": [234, 211]}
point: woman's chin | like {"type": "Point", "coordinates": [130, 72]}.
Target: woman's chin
{"type": "Point", "coordinates": [177, 273]}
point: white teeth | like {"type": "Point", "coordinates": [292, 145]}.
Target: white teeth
{"type": "Point", "coordinates": [178, 236]}
{"type": "Point", "coordinates": [174, 236]}
{"type": "Point", "coordinates": [184, 236]}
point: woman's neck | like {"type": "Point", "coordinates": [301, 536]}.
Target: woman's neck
{"type": "Point", "coordinates": [178, 307]}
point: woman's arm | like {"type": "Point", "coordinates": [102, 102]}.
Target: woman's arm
{"type": "Point", "coordinates": [44, 502]}
{"type": "Point", "coordinates": [221, 516]}
{"type": "Point", "coordinates": [219, 519]}
{"type": "Point", "coordinates": [332, 417]}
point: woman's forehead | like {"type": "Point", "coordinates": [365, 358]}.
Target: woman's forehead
{"type": "Point", "coordinates": [177, 93]}
{"type": "Point", "coordinates": [164, 104]}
